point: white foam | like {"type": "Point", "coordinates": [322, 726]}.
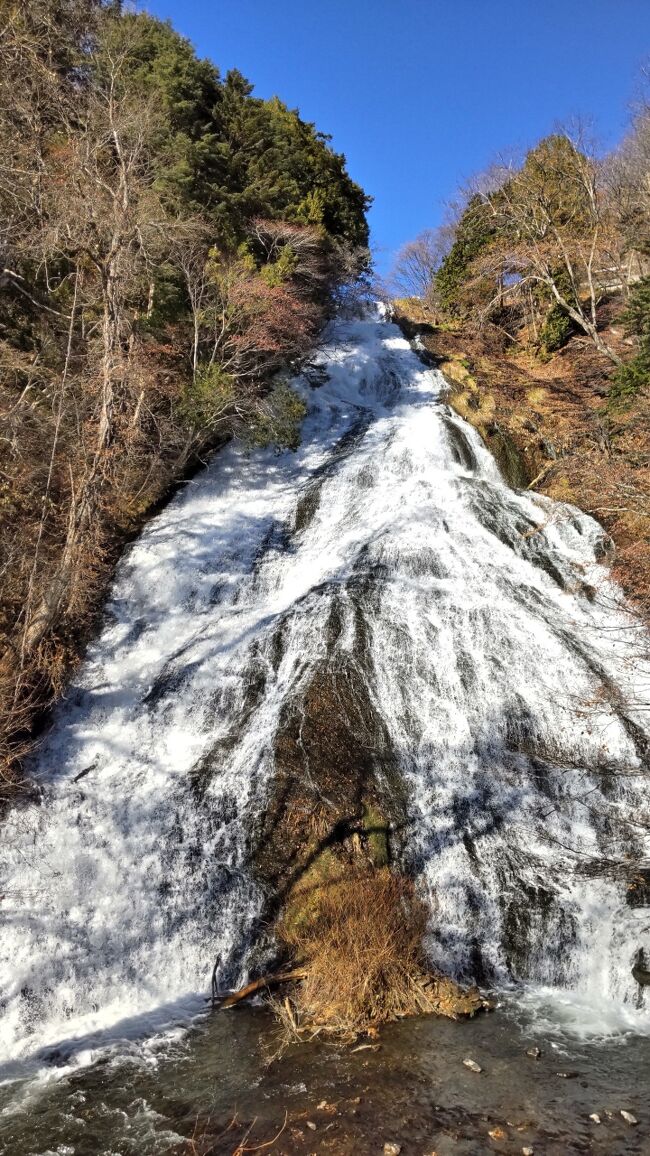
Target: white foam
{"type": "Point", "coordinates": [123, 888]}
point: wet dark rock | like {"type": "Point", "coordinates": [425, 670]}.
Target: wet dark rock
{"type": "Point", "coordinates": [307, 506]}
{"type": "Point", "coordinates": [641, 971]}
{"type": "Point", "coordinates": [532, 914]}
{"type": "Point", "coordinates": [335, 768]}
{"type": "Point", "coordinates": [316, 375]}
{"type": "Point", "coordinates": [604, 549]}
{"type": "Point", "coordinates": [461, 448]}
{"type": "Point", "coordinates": [548, 449]}
{"type": "Point", "coordinates": [507, 456]}
{"type": "Point", "coordinates": [172, 677]}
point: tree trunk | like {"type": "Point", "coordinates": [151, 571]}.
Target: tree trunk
{"type": "Point", "coordinates": [584, 323]}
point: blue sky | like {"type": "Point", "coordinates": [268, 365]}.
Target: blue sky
{"type": "Point", "coordinates": [421, 94]}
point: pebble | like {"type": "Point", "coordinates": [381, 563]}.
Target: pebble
{"type": "Point", "coordinates": [534, 1053]}
{"type": "Point", "coordinates": [310, 1124]}
{"type": "Point", "coordinates": [497, 1134]}
{"type": "Point", "coordinates": [628, 1117]}
{"type": "Point", "coordinates": [391, 1149]}
{"type": "Point", "coordinates": [595, 1117]}
{"type": "Point", "coordinates": [472, 1065]}
{"type": "Point", "coordinates": [527, 1151]}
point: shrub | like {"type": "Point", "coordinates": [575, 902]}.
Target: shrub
{"type": "Point", "coordinates": [630, 378]}
{"type": "Point", "coordinates": [208, 399]}
{"type": "Point", "coordinates": [556, 330]}
{"type": "Point", "coordinates": [278, 418]}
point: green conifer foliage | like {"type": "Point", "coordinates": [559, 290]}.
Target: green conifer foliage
{"type": "Point", "coordinates": [222, 151]}
{"type": "Point", "coordinates": [474, 234]}
{"type": "Point", "coordinates": [635, 374]}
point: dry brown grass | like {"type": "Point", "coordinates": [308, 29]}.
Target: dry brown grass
{"type": "Point", "coordinates": [204, 1142]}
{"type": "Point", "coordinates": [358, 933]}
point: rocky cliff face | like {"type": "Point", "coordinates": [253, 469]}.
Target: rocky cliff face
{"type": "Point", "coordinates": [552, 428]}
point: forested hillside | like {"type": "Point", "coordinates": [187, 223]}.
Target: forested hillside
{"type": "Point", "coordinates": [535, 298]}
{"type": "Point", "coordinates": [169, 245]}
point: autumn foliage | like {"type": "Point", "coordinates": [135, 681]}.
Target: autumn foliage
{"type": "Point", "coordinates": [169, 247]}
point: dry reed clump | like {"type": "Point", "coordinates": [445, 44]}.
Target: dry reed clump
{"type": "Point", "coordinates": [357, 933]}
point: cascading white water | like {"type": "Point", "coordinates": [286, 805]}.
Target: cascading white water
{"type": "Point", "coordinates": [497, 652]}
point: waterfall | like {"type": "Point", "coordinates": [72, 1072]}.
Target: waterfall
{"type": "Point", "coordinates": [510, 680]}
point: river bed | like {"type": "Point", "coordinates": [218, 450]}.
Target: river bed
{"type": "Point", "coordinates": [215, 1088]}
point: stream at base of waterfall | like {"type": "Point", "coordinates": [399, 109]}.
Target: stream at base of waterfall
{"type": "Point", "coordinates": [213, 1087]}
{"type": "Point", "coordinates": [513, 687]}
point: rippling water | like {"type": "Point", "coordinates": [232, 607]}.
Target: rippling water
{"type": "Point", "coordinates": [214, 1085]}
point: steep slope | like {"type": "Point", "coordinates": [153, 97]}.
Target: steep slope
{"type": "Point", "coordinates": [460, 647]}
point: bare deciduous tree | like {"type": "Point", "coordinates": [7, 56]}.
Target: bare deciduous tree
{"type": "Point", "coordinates": [554, 228]}
{"type": "Point", "coordinates": [417, 262]}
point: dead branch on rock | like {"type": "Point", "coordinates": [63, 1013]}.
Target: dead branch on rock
{"type": "Point", "coordinates": [256, 985]}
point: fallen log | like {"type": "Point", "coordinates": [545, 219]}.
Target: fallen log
{"type": "Point", "coordinates": [257, 985]}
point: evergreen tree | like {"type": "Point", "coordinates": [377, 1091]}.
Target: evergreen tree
{"type": "Point", "coordinates": [474, 234]}
{"type": "Point", "coordinates": [635, 374]}
{"type": "Point", "coordinates": [224, 153]}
